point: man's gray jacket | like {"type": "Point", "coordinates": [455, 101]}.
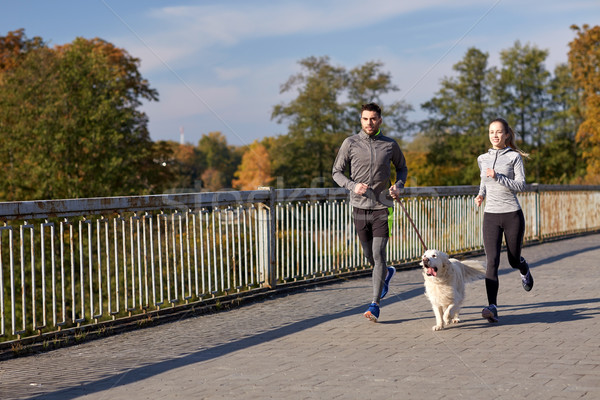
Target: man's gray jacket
{"type": "Point", "coordinates": [368, 159]}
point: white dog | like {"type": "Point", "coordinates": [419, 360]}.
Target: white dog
{"type": "Point", "coordinates": [445, 280]}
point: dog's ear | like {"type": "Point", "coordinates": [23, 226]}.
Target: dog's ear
{"type": "Point", "coordinates": [445, 258]}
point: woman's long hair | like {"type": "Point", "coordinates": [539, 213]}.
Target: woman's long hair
{"type": "Point", "coordinates": [511, 137]}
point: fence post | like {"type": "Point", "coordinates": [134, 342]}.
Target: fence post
{"type": "Point", "coordinates": [536, 188]}
{"type": "Point", "coordinates": [268, 238]}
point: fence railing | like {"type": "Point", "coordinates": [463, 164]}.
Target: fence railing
{"type": "Point", "coordinates": [76, 263]}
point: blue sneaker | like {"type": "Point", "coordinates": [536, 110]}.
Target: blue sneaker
{"type": "Point", "coordinates": [373, 312]}
{"type": "Point", "coordinates": [490, 313]}
{"type": "Point", "coordinates": [386, 284]}
{"type": "Point", "coordinates": [527, 281]}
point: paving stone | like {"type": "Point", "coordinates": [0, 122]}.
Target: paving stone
{"type": "Point", "coordinates": [316, 344]}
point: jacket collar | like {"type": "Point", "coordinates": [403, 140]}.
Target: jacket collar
{"type": "Point", "coordinates": [363, 135]}
{"type": "Point", "coordinates": [500, 151]}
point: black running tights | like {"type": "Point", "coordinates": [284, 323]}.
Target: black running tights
{"type": "Point", "coordinates": [512, 226]}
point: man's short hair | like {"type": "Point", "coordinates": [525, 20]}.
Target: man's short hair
{"type": "Point", "coordinates": [371, 107]}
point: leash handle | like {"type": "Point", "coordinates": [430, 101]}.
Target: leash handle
{"type": "Point", "coordinates": [412, 223]}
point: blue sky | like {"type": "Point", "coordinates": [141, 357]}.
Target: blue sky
{"type": "Point", "coordinates": [219, 65]}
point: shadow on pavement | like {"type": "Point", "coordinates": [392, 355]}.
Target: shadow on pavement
{"type": "Point", "coordinates": [146, 371]}
{"type": "Point", "coordinates": [525, 314]}
{"type": "Point", "coordinates": [535, 313]}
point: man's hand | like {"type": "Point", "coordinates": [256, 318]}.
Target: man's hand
{"type": "Point", "coordinates": [394, 192]}
{"type": "Point", "coordinates": [360, 188]}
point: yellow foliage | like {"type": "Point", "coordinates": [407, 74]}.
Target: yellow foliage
{"type": "Point", "coordinates": [584, 58]}
{"type": "Point", "coordinates": [212, 179]}
{"type": "Point", "coordinates": [254, 170]}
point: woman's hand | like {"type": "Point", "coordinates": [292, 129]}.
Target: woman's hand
{"type": "Point", "coordinates": [479, 200]}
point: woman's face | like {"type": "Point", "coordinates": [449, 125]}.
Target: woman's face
{"type": "Point", "coordinates": [498, 136]}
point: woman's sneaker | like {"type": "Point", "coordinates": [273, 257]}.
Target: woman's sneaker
{"type": "Point", "coordinates": [527, 281]}
{"type": "Point", "coordinates": [490, 313]}
{"type": "Point", "coordinates": [373, 312]}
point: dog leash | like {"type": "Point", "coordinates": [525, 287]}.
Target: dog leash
{"type": "Point", "coordinates": [399, 200]}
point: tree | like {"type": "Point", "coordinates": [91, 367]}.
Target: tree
{"type": "Point", "coordinates": [421, 172]}
{"type": "Point", "coordinates": [584, 61]}
{"type": "Point", "coordinates": [368, 83]}
{"type": "Point", "coordinates": [558, 158]}
{"type": "Point", "coordinates": [459, 119]}
{"type": "Point", "coordinates": [316, 124]}
{"type": "Point", "coordinates": [212, 179]}
{"type": "Point", "coordinates": [255, 168]}
{"type": "Point", "coordinates": [541, 108]}
{"type": "Point", "coordinates": [13, 48]}
{"type": "Point", "coordinates": [180, 160]}
{"type": "Point", "coordinates": [519, 91]}
{"type": "Point", "coordinates": [460, 106]}
{"type": "Point", "coordinates": [319, 119]}
{"type": "Point", "coordinates": [70, 124]}
{"type": "Point", "coordinates": [217, 160]}
{"type": "Point", "coordinates": [168, 170]}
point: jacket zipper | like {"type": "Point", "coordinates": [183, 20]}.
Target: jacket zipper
{"type": "Point", "coordinates": [371, 156]}
{"type": "Point", "coordinates": [495, 159]}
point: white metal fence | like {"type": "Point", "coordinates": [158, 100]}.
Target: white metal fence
{"type": "Point", "coordinates": [69, 263]}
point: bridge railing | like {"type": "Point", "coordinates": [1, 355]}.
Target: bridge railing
{"type": "Point", "coordinates": [81, 262]}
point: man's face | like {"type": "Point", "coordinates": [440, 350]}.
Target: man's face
{"type": "Point", "coordinates": [370, 122]}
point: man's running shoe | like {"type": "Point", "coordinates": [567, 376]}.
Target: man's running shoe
{"type": "Point", "coordinates": [373, 312]}
{"type": "Point", "coordinates": [490, 313]}
{"type": "Point", "coordinates": [386, 284]}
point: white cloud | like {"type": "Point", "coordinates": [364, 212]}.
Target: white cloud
{"type": "Point", "coordinates": [228, 74]}
{"type": "Point", "coordinates": [182, 101]}
{"type": "Point", "coordinates": [231, 109]}
{"type": "Point", "coordinates": [222, 24]}
{"type": "Point", "coordinates": [236, 92]}
{"type": "Point", "coordinates": [176, 33]}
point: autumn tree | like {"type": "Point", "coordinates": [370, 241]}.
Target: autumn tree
{"type": "Point", "coordinates": [584, 61]}
{"type": "Point", "coordinates": [421, 171]}
{"type": "Point", "coordinates": [208, 166]}
{"type": "Point", "coordinates": [70, 124]}
{"type": "Point", "coordinates": [217, 161]}
{"type": "Point", "coordinates": [168, 173]}
{"type": "Point", "coordinates": [255, 168]}
{"type": "Point", "coordinates": [14, 47]}
{"type": "Point", "coordinates": [180, 161]}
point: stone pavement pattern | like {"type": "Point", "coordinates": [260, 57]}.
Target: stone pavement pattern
{"type": "Point", "coordinates": [316, 344]}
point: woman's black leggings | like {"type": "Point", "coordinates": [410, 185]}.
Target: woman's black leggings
{"type": "Point", "coordinates": [512, 225]}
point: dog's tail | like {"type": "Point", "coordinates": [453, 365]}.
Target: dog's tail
{"type": "Point", "coordinates": [473, 269]}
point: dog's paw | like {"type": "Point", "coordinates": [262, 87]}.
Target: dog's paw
{"type": "Point", "coordinates": [437, 328]}
{"type": "Point", "coordinates": [456, 320]}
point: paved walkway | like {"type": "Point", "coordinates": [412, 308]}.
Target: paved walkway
{"type": "Point", "coordinates": [317, 345]}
